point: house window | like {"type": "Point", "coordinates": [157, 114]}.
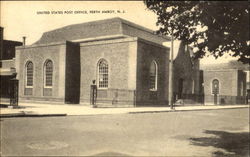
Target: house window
{"type": "Point", "coordinates": [29, 74]}
{"type": "Point", "coordinates": [153, 72]}
{"type": "Point", "coordinates": [103, 74]}
{"type": "Point", "coordinates": [48, 73]}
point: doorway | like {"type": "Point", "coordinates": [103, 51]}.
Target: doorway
{"type": "Point", "coordinates": [180, 88]}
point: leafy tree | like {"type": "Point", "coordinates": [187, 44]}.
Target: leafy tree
{"type": "Point", "coordinates": [217, 27]}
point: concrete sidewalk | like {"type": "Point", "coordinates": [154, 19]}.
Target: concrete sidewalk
{"type": "Point", "coordinates": [36, 109]}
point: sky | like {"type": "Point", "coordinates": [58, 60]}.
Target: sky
{"type": "Point", "coordinates": [29, 18]}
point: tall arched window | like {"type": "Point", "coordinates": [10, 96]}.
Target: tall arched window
{"type": "Point", "coordinates": [48, 73]}
{"type": "Point", "coordinates": [215, 87]}
{"type": "Point", "coordinates": [103, 78]}
{"type": "Point", "coordinates": [153, 72]}
{"type": "Point", "coordinates": [29, 74]}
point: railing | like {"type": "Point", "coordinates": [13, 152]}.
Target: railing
{"type": "Point", "coordinates": [226, 99]}
{"type": "Point", "coordinates": [116, 96]}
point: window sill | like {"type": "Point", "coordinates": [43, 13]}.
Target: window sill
{"type": "Point", "coordinates": [214, 94]}
{"type": "Point", "coordinates": [102, 88]}
{"type": "Point", "coordinates": [153, 90]}
{"type": "Point", "coordinates": [47, 87]}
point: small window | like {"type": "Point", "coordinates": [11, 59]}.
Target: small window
{"type": "Point", "coordinates": [48, 73]}
{"type": "Point", "coordinates": [103, 73]}
{"type": "Point", "coordinates": [29, 74]}
{"type": "Point", "coordinates": [153, 72]}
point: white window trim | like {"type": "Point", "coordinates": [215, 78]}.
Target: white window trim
{"type": "Point", "coordinates": [44, 74]}
{"type": "Point", "coordinates": [26, 76]}
{"type": "Point", "coordinates": [156, 76]}
{"type": "Point", "coordinates": [97, 82]}
{"type": "Point", "coordinates": [211, 85]}
{"type": "Point", "coordinates": [102, 87]}
{"type": "Point", "coordinates": [47, 86]}
{"type": "Point", "coordinates": [28, 86]}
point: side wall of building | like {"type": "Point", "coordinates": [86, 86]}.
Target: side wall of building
{"type": "Point", "coordinates": [120, 54]}
{"type": "Point", "coordinates": [73, 73]}
{"type": "Point", "coordinates": [229, 83]}
{"type": "Point", "coordinates": [147, 53]}
{"type": "Point", "coordinates": [38, 55]}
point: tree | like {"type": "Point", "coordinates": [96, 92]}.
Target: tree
{"type": "Point", "coordinates": [217, 27]}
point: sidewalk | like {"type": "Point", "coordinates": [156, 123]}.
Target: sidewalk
{"type": "Point", "coordinates": [35, 109]}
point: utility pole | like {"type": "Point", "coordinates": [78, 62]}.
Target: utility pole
{"type": "Point", "coordinates": [170, 92]}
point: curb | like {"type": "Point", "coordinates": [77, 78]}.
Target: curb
{"type": "Point", "coordinates": [185, 110]}
{"type": "Point", "coordinates": [30, 115]}
{"type": "Point", "coordinates": [25, 114]}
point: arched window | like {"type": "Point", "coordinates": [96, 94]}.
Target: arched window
{"type": "Point", "coordinates": [153, 72]}
{"type": "Point", "coordinates": [215, 87]}
{"type": "Point", "coordinates": [103, 73]}
{"type": "Point", "coordinates": [29, 74]}
{"type": "Point", "coordinates": [48, 73]}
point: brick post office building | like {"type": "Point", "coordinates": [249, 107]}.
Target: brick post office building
{"type": "Point", "coordinates": [128, 62]}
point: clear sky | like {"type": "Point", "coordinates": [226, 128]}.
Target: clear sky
{"type": "Point", "coordinates": [28, 18]}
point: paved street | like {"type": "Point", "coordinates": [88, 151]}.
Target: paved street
{"type": "Point", "coordinates": [222, 132]}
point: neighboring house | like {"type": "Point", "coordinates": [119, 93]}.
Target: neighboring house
{"type": "Point", "coordinates": [7, 63]}
{"type": "Point", "coordinates": [228, 80]}
{"type": "Point", "coordinates": [187, 77]}
{"type": "Point", "coordinates": [128, 62]}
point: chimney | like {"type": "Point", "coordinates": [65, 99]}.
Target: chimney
{"type": "Point", "coordinates": [1, 33]}
{"type": "Point", "coordinates": [1, 43]}
{"type": "Point", "coordinates": [24, 40]}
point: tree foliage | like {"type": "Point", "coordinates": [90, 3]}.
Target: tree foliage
{"type": "Point", "coordinates": [217, 27]}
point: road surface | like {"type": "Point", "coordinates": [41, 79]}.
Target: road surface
{"type": "Point", "coordinates": [190, 133]}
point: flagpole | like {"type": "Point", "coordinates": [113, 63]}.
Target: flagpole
{"type": "Point", "coordinates": [171, 73]}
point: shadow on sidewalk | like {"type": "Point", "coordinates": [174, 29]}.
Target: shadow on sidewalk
{"type": "Point", "coordinates": [111, 154]}
{"type": "Point", "coordinates": [236, 144]}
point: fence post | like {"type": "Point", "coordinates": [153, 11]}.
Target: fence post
{"type": "Point", "coordinates": [14, 92]}
{"type": "Point", "coordinates": [134, 98]}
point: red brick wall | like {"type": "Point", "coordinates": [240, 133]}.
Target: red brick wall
{"type": "Point", "coordinates": [116, 53]}
{"type": "Point", "coordinates": [147, 52]}
{"type": "Point", "coordinates": [229, 84]}
{"type": "Point", "coordinates": [38, 55]}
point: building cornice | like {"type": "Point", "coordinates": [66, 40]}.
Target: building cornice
{"type": "Point", "coordinates": [40, 45]}
{"type": "Point", "coordinates": [111, 41]}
